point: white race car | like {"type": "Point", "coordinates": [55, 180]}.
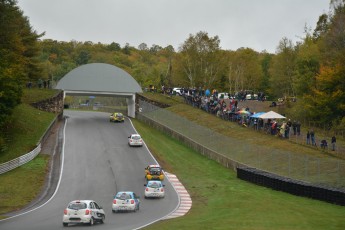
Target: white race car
{"type": "Point", "coordinates": [154, 189]}
{"type": "Point", "coordinates": [83, 212]}
{"type": "Point", "coordinates": [125, 201]}
{"type": "Point", "coordinates": [135, 140]}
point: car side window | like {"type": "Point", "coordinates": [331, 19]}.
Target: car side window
{"type": "Point", "coordinates": [92, 205]}
{"type": "Point", "coordinates": [135, 196]}
{"type": "Point", "coordinates": [96, 205]}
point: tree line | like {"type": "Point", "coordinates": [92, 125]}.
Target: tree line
{"type": "Point", "coordinates": [312, 70]}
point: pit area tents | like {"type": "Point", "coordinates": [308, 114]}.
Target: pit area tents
{"type": "Point", "coordinates": [271, 115]}
{"type": "Point", "coordinates": [257, 115]}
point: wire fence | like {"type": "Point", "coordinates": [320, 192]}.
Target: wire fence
{"type": "Point", "coordinates": [322, 133]}
{"type": "Point", "coordinates": [324, 171]}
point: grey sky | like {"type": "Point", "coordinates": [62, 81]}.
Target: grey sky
{"type": "Point", "coordinates": [257, 24]}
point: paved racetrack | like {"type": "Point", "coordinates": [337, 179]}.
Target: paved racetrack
{"type": "Point", "coordinates": [97, 163]}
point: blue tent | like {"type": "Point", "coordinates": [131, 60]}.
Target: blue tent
{"type": "Point", "coordinates": [257, 115]}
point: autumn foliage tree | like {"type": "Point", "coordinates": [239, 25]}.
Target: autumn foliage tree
{"type": "Point", "coordinates": [199, 59]}
{"type": "Point", "coordinates": [326, 102]}
{"type": "Point", "coordinates": [18, 56]}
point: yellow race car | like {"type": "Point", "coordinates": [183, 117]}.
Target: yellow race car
{"type": "Point", "coordinates": [116, 117]}
{"type": "Point", "coordinates": [154, 172]}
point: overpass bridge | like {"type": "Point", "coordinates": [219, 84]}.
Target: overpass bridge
{"type": "Point", "coordinates": [99, 79]}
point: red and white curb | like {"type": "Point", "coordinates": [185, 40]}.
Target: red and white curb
{"type": "Point", "coordinates": [185, 200]}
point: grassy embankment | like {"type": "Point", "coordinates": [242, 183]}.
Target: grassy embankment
{"type": "Point", "coordinates": [20, 186]}
{"type": "Point", "coordinates": [221, 201]}
{"type": "Point", "coordinates": [232, 129]}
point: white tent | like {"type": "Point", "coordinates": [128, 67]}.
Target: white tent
{"type": "Point", "coordinates": [271, 115]}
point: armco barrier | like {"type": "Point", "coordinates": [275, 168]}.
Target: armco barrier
{"type": "Point", "coordinates": [7, 166]}
{"type": "Point", "coordinates": [291, 186]}
{"type": "Point", "coordinates": [15, 163]}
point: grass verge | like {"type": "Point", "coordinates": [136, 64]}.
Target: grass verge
{"type": "Point", "coordinates": [221, 201]}
{"type": "Point", "coordinates": [27, 127]}
{"type": "Point", "coordinates": [22, 185]}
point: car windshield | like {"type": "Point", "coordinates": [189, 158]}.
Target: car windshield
{"type": "Point", "coordinates": [136, 137]}
{"type": "Point", "coordinates": [153, 184]}
{"type": "Point", "coordinates": [119, 115]}
{"type": "Point", "coordinates": [123, 196]}
{"type": "Point", "coordinates": [77, 206]}
{"type": "Point", "coordinates": [156, 171]}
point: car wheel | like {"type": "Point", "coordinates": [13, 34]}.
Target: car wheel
{"type": "Point", "coordinates": [65, 224]}
{"type": "Point", "coordinates": [91, 221]}
{"type": "Point", "coordinates": [102, 219]}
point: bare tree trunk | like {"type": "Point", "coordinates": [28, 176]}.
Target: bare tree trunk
{"type": "Point", "coordinates": [230, 78]}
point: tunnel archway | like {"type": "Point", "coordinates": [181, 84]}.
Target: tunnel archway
{"type": "Point", "coordinates": [100, 79]}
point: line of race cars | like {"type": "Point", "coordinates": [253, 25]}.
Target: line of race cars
{"type": "Point", "coordinates": [90, 212]}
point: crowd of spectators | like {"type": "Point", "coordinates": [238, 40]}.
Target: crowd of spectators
{"type": "Point", "coordinates": [227, 108]}
{"type": "Point", "coordinates": [46, 84]}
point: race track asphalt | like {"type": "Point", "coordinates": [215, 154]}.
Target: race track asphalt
{"type": "Point", "coordinates": [96, 163]}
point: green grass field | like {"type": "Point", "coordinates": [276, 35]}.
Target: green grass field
{"type": "Point", "coordinates": [22, 185]}
{"type": "Point", "coordinates": [221, 201]}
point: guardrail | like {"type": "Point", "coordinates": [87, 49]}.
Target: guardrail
{"type": "Point", "coordinates": [15, 163]}
{"type": "Point", "coordinates": [19, 161]}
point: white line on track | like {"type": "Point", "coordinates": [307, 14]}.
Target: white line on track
{"type": "Point", "coordinates": [184, 198]}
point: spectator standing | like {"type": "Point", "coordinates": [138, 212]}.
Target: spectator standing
{"type": "Point", "coordinates": [40, 82]}
{"type": "Point", "coordinates": [283, 130]}
{"type": "Point", "coordinates": [308, 138]}
{"type": "Point", "coordinates": [334, 140]}
{"type": "Point", "coordinates": [255, 124]}
{"type": "Point", "coordinates": [298, 128]}
{"type": "Point", "coordinates": [294, 127]}
{"type": "Point", "coordinates": [312, 137]}
{"type": "Point", "coordinates": [274, 127]}
{"type": "Point", "coordinates": [286, 129]}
